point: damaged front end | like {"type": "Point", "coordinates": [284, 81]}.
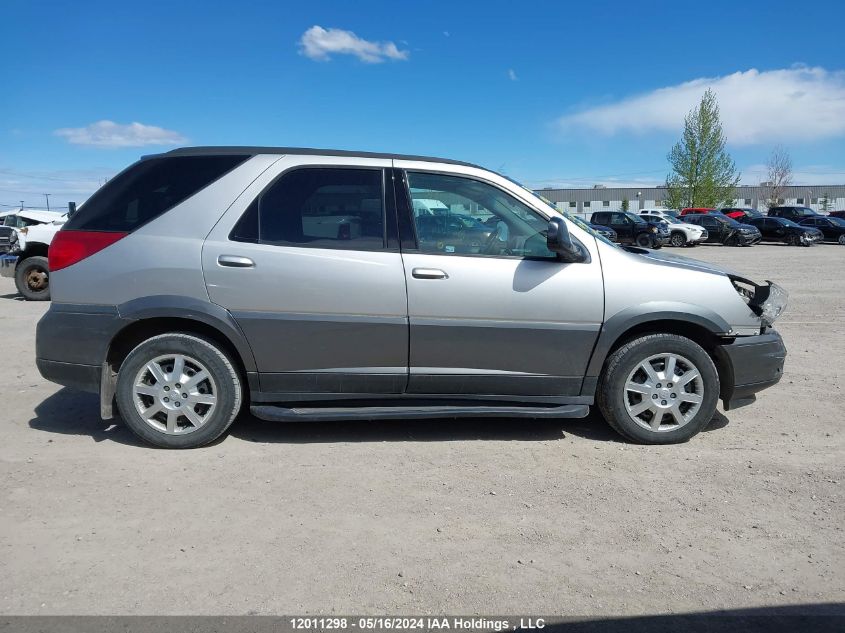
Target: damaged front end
{"type": "Point", "coordinates": [767, 301]}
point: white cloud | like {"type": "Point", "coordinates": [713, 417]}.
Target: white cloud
{"type": "Point", "coordinates": [320, 44]}
{"type": "Point", "coordinates": [793, 104]}
{"type": "Point", "coordinates": [512, 75]}
{"type": "Point", "coordinates": [111, 134]}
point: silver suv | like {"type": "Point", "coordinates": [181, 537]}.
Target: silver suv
{"type": "Point", "coordinates": [318, 284]}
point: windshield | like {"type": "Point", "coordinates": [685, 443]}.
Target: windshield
{"type": "Point", "coordinates": [804, 211]}
{"type": "Point", "coordinates": [838, 222]}
{"type": "Point", "coordinates": [786, 222]}
{"type": "Point", "coordinates": [637, 219]}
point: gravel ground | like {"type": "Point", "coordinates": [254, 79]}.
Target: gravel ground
{"type": "Point", "coordinates": [441, 516]}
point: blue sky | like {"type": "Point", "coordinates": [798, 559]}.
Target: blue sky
{"type": "Point", "coordinates": [550, 93]}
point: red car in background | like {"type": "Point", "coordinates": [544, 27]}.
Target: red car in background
{"type": "Point", "coordinates": [690, 210]}
{"type": "Point", "coordinates": [741, 214]}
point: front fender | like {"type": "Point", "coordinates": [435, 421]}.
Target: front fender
{"type": "Point", "coordinates": [614, 327]}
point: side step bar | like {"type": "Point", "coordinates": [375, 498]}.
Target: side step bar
{"type": "Point", "coordinates": [321, 414]}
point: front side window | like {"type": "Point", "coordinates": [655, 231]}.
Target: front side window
{"type": "Point", "coordinates": [461, 216]}
{"type": "Point", "coordinates": [319, 208]}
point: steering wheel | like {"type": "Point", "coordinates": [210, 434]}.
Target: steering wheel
{"type": "Point", "coordinates": [491, 241]}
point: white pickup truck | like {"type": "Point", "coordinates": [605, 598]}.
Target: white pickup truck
{"type": "Point", "coordinates": [26, 260]}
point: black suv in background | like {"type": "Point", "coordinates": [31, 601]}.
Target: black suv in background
{"type": "Point", "coordinates": [783, 230]}
{"type": "Point", "coordinates": [832, 228]}
{"type": "Point", "coordinates": [724, 230]}
{"type": "Point", "coordinates": [632, 229]}
{"type": "Point", "coordinates": [796, 214]}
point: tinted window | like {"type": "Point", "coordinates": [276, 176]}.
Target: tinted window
{"type": "Point", "coordinates": [317, 207]}
{"type": "Point", "coordinates": [461, 216]}
{"type": "Point", "coordinates": [147, 189]}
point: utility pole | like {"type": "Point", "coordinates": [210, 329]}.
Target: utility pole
{"type": "Point", "coordinates": [21, 205]}
{"type": "Point", "coordinates": [47, 195]}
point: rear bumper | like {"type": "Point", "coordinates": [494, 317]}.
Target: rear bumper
{"type": "Point", "coordinates": [78, 376]}
{"type": "Point", "coordinates": [71, 343]}
{"type": "Point", "coordinates": [7, 265]}
{"type": "Point", "coordinates": [750, 364]}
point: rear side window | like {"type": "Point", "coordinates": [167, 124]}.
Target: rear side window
{"type": "Point", "coordinates": [148, 189]}
{"type": "Point", "coordinates": [320, 208]}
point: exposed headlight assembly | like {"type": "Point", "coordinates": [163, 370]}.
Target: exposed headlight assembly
{"type": "Point", "coordinates": [768, 301]}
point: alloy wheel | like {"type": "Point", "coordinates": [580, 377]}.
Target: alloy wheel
{"type": "Point", "coordinates": [175, 394]}
{"type": "Point", "coordinates": [663, 392]}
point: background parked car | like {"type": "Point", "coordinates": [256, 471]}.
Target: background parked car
{"type": "Point", "coordinates": [680, 233]}
{"type": "Point", "coordinates": [698, 210]}
{"type": "Point", "coordinates": [783, 230]}
{"type": "Point", "coordinates": [724, 230]}
{"type": "Point", "coordinates": [666, 214]}
{"type": "Point", "coordinates": [796, 214]}
{"type": "Point", "coordinates": [832, 228]}
{"type": "Point", "coordinates": [604, 231]}
{"type": "Point", "coordinates": [741, 214]}
{"type": "Point", "coordinates": [837, 214]}
{"type": "Point", "coordinates": [632, 229]}
{"type": "Point", "coordinates": [26, 260]}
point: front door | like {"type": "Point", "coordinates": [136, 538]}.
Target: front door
{"type": "Point", "coordinates": [309, 268]}
{"type": "Point", "coordinates": [492, 311]}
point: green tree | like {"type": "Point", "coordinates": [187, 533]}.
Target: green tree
{"type": "Point", "coordinates": [625, 204]}
{"type": "Point", "coordinates": [703, 173]}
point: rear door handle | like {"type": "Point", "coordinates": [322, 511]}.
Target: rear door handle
{"type": "Point", "coordinates": [429, 273]}
{"type": "Point", "coordinates": [235, 261]}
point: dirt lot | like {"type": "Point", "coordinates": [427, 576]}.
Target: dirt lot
{"type": "Point", "coordinates": [413, 517]}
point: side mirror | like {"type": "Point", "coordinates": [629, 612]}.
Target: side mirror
{"type": "Point", "coordinates": [558, 241]}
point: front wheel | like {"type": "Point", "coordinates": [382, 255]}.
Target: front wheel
{"type": "Point", "coordinates": [678, 239]}
{"type": "Point", "coordinates": [32, 279]}
{"type": "Point", "coordinates": [178, 390]}
{"type": "Point", "coordinates": [644, 241]}
{"type": "Point", "coordinates": [659, 389]}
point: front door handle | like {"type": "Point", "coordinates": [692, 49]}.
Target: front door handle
{"type": "Point", "coordinates": [235, 261]}
{"type": "Point", "coordinates": [429, 273]}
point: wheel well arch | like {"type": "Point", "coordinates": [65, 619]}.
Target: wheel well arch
{"type": "Point", "coordinates": [710, 340]}
{"type": "Point", "coordinates": [139, 331]}
{"type": "Point", "coordinates": [33, 250]}
{"type": "Point", "coordinates": [693, 331]}
{"type": "Point", "coordinates": [129, 337]}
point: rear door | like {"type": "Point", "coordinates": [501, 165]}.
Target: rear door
{"type": "Point", "coordinates": [492, 311]}
{"type": "Point", "coordinates": [307, 261]}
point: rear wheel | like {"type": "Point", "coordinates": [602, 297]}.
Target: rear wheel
{"type": "Point", "coordinates": [842, 239]}
{"type": "Point", "coordinates": [178, 391]}
{"type": "Point", "coordinates": [678, 239]}
{"type": "Point", "coordinates": [32, 279]}
{"type": "Point", "coordinates": [659, 389]}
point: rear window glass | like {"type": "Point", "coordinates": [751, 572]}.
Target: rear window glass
{"type": "Point", "coordinates": [146, 190]}
{"type": "Point", "coordinates": [319, 208]}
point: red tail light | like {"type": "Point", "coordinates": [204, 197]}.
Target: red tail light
{"type": "Point", "coordinates": [70, 247]}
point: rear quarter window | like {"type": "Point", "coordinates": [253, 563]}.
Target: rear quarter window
{"type": "Point", "coordinates": [147, 190]}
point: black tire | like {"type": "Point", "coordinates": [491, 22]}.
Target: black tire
{"type": "Point", "coordinates": [793, 240]}
{"type": "Point", "coordinates": [677, 239]}
{"type": "Point", "coordinates": [841, 240]}
{"type": "Point", "coordinates": [610, 396]}
{"type": "Point", "coordinates": [644, 240]}
{"type": "Point", "coordinates": [227, 383]}
{"type": "Point", "coordinates": [32, 279]}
